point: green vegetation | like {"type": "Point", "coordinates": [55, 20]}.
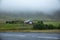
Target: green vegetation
{"type": "Point", "coordinates": [55, 23]}
{"type": "Point", "coordinates": [41, 26]}
{"type": "Point", "coordinates": [59, 26]}
{"type": "Point", "coordinates": [15, 26]}
{"type": "Point", "coordinates": [38, 25]}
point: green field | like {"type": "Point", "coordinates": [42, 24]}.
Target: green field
{"type": "Point", "coordinates": [24, 26]}
{"type": "Point", "coordinates": [53, 23]}
{"type": "Point", "coordinates": [15, 26]}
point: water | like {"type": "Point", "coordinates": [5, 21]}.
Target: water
{"type": "Point", "coordinates": [29, 36]}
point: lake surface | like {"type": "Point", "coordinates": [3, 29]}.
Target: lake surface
{"type": "Point", "coordinates": [28, 36]}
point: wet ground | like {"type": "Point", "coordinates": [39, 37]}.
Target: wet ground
{"type": "Point", "coordinates": [28, 36]}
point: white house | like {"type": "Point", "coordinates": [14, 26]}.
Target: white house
{"type": "Point", "coordinates": [28, 22]}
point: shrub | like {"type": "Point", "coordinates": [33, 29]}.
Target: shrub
{"type": "Point", "coordinates": [46, 26]}
{"type": "Point", "coordinates": [38, 25]}
{"type": "Point", "coordinates": [41, 22]}
{"type": "Point", "coordinates": [14, 22]}
{"type": "Point", "coordinates": [59, 26]}
{"type": "Point", "coordinates": [42, 26]}
{"type": "Point", "coordinates": [50, 26]}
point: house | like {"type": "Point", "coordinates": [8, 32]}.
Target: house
{"type": "Point", "coordinates": [28, 22]}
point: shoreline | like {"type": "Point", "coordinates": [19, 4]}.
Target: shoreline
{"type": "Point", "coordinates": [41, 31]}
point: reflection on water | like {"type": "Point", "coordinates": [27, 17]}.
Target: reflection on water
{"type": "Point", "coordinates": [29, 36]}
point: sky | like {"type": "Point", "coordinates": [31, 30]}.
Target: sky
{"type": "Point", "coordinates": [29, 5]}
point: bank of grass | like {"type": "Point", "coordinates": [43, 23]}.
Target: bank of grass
{"type": "Point", "coordinates": [43, 31]}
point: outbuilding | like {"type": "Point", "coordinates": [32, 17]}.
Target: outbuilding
{"type": "Point", "coordinates": [28, 22]}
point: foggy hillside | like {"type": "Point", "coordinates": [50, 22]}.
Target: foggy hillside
{"type": "Point", "coordinates": [30, 15]}
{"type": "Point", "coordinates": [30, 9]}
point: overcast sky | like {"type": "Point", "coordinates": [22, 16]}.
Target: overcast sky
{"type": "Point", "coordinates": [29, 5]}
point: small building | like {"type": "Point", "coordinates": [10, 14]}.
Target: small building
{"type": "Point", "coordinates": [28, 22]}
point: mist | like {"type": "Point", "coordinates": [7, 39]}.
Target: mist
{"type": "Point", "coordinates": [30, 9]}
{"type": "Point", "coordinates": [17, 6]}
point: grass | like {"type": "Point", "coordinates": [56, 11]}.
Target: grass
{"type": "Point", "coordinates": [14, 26]}
{"type": "Point", "coordinates": [53, 23]}
{"type": "Point", "coordinates": [17, 27]}
{"type": "Point", "coordinates": [44, 31]}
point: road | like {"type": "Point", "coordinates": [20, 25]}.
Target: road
{"type": "Point", "coordinates": [28, 36]}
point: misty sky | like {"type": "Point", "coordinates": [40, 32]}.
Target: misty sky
{"type": "Point", "coordinates": [29, 5]}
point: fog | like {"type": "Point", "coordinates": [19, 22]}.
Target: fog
{"type": "Point", "coordinates": [29, 5]}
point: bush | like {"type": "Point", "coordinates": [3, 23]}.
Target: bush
{"type": "Point", "coordinates": [40, 25]}
{"type": "Point", "coordinates": [36, 26]}
{"type": "Point", "coordinates": [11, 22]}
{"type": "Point", "coordinates": [46, 26]}
{"type": "Point", "coordinates": [59, 26]}
{"type": "Point", "coordinates": [14, 22]}
{"type": "Point", "coordinates": [41, 22]}
{"type": "Point", "coordinates": [50, 26]}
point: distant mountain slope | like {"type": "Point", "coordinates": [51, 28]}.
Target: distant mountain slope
{"type": "Point", "coordinates": [38, 16]}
